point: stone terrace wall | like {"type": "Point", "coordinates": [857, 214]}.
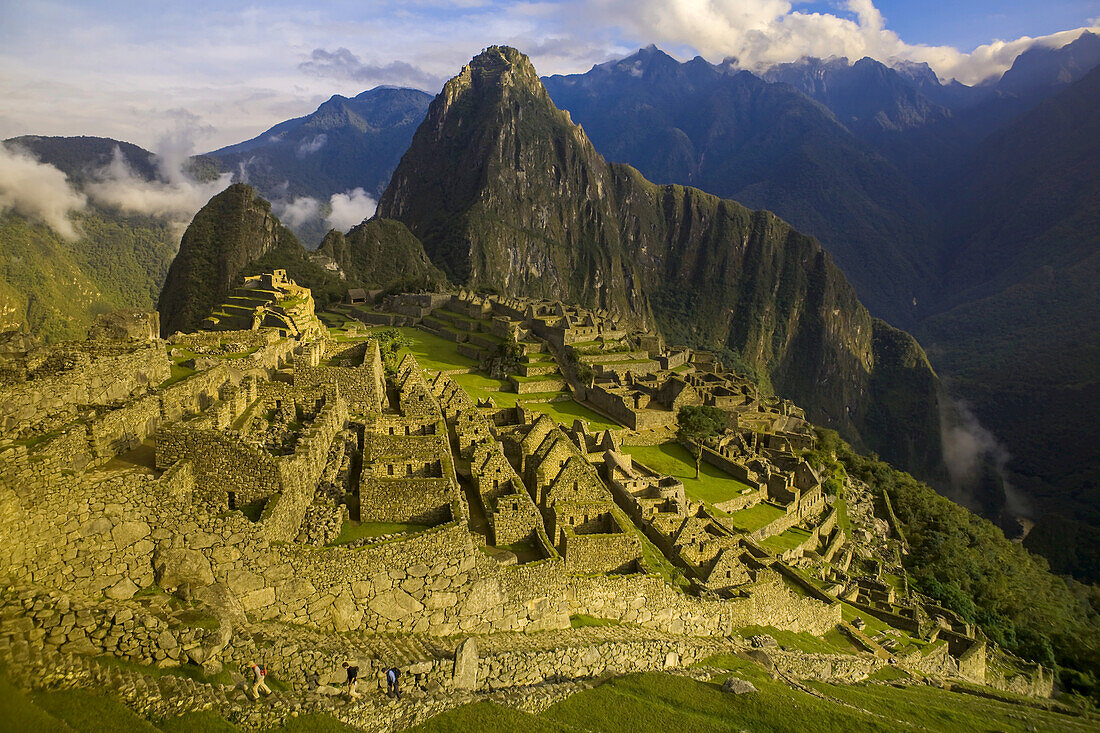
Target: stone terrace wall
{"type": "Point", "coordinates": [648, 601]}
{"type": "Point", "coordinates": [515, 668]}
{"type": "Point", "coordinates": [87, 374]}
{"type": "Point", "coordinates": [298, 474]}
{"type": "Point", "coordinates": [96, 539]}
{"type": "Point", "coordinates": [598, 553]}
{"type": "Point", "coordinates": [225, 464]}
{"type": "Point", "coordinates": [433, 582]}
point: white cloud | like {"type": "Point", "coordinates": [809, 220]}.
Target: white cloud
{"type": "Point", "coordinates": [297, 212]}
{"type": "Point", "coordinates": [91, 69]}
{"type": "Point", "coordinates": [761, 33]}
{"type": "Point", "coordinates": [312, 145]}
{"type": "Point", "coordinates": [38, 191]}
{"type": "Point", "coordinates": [175, 196]}
{"type": "Point", "coordinates": [350, 209]}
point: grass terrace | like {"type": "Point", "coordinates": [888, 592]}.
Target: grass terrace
{"type": "Point", "coordinates": [713, 486]}
{"type": "Point", "coordinates": [433, 352]}
{"type": "Point", "coordinates": [788, 540]}
{"type": "Point", "coordinates": [751, 519]}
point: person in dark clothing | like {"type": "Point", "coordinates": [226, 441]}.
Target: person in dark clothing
{"type": "Point", "coordinates": [392, 687]}
{"type": "Point", "coordinates": [353, 679]}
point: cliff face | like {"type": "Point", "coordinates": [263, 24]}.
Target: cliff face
{"type": "Point", "coordinates": [382, 253]}
{"type": "Point", "coordinates": [506, 193]}
{"type": "Point", "coordinates": [234, 229]}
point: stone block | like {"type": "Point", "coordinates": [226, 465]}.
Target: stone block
{"type": "Point", "coordinates": [257, 599]}
{"type": "Point", "coordinates": [465, 669]}
{"type": "Point", "coordinates": [128, 533]}
{"type": "Point", "coordinates": [243, 581]}
{"type": "Point", "coordinates": [175, 567]}
{"type": "Point", "coordinates": [395, 605]}
{"type": "Point", "coordinates": [122, 590]}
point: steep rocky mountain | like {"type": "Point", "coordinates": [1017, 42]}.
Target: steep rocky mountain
{"type": "Point", "coordinates": [236, 234]}
{"type": "Point", "coordinates": [506, 193]}
{"type": "Point", "coordinates": [381, 254]}
{"type": "Point", "coordinates": [346, 143]}
{"type": "Point", "coordinates": [233, 230]}
{"type": "Point", "coordinates": [766, 145]}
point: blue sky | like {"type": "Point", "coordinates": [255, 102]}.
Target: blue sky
{"type": "Point", "coordinates": [207, 73]}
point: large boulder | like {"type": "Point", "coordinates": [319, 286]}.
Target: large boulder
{"type": "Point", "coordinates": [222, 603]}
{"type": "Point", "coordinates": [395, 604]}
{"type": "Point", "coordinates": [465, 672]}
{"type": "Point", "coordinates": [174, 568]}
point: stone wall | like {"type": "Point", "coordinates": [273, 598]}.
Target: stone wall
{"type": "Point", "coordinates": [648, 601]}
{"type": "Point", "coordinates": [75, 374]}
{"type": "Point", "coordinates": [514, 668]}
{"type": "Point", "coordinates": [74, 625]}
{"type": "Point", "coordinates": [228, 465]}
{"type": "Point", "coordinates": [599, 553]}
{"type": "Point", "coordinates": [298, 474]}
{"type": "Point", "coordinates": [837, 668]}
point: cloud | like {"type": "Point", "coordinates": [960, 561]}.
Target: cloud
{"type": "Point", "coordinates": [38, 191]}
{"type": "Point", "coordinates": [342, 64]}
{"type": "Point", "coordinates": [312, 145]}
{"type": "Point", "coordinates": [299, 211]}
{"type": "Point", "coordinates": [350, 209]}
{"type": "Point", "coordinates": [969, 448]}
{"type": "Point", "coordinates": [762, 33]}
{"type": "Point", "coordinates": [175, 196]}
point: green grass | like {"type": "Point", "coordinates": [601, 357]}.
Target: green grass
{"type": "Point", "coordinates": [431, 351]}
{"type": "Point", "coordinates": [18, 712]}
{"type": "Point", "coordinates": [567, 411]}
{"type": "Point", "coordinates": [713, 486]}
{"type": "Point", "coordinates": [751, 519]}
{"type": "Point", "coordinates": [788, 540]}
{"type": "Point", "coordinates": [803, 641]}
{"type": "Point", "coordinates": [206, 721]}
{"type": "Point", "coordinates": [352, 531]}
{"type": "Point", "coordinates": [581, 620]}
{"type": "Point", "coordinates": [82, 710]}
{"type": "Point", "coordinates": [842, 519]}
{"type": "Point", "coordinates": [179, 373]}
{"type": "Point", "coordinates": [659, 703]}
{"type": "Point", "coordinates": [488, 717]}
{"type": "Point", "coordinates": [941, 710]}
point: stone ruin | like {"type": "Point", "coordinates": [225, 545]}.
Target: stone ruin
{"type": "Point", "coordinates": [281, 496]}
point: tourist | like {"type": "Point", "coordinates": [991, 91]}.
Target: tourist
{"type": "Point", "coordinates": [353, 679]}
{"type": "Point", "coordinates": [259, 680]}
{"type": "Point", "coordinates": [391, 682]}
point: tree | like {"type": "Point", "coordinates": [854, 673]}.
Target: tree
{"type": "Point", "coordinates": [696, 424]}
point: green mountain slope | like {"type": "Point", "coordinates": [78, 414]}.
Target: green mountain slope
{"type": "Point", "coordinates": [54, 287]}
{"type": "Point", "coordinates": [1018, 333]}
{"type": "Point", "coordinates": [506, 193]}
{"type": "Point", "coordinates": [382, 254]}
